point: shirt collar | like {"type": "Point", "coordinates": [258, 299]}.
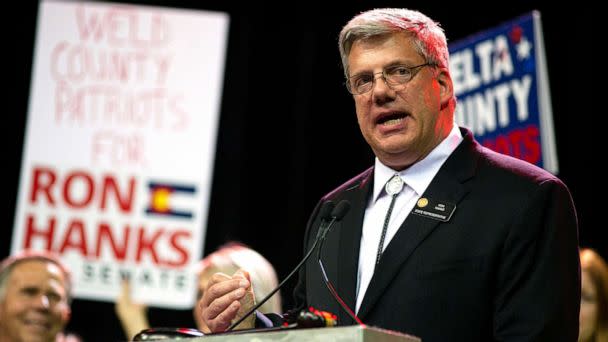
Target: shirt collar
{"type": "Point", "coordinates": [419, 175]}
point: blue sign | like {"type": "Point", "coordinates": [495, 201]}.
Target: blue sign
{"type": "Point", "coordinates": [500, 80]}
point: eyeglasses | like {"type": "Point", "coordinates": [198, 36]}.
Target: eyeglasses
{"type": "Point", "coordinates": [393, 76]}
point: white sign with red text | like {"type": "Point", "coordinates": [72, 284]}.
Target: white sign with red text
{"type": "Point", "coordinates": [119, 147]}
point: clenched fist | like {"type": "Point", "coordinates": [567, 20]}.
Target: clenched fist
{"type": "Point", "coordinates": [226, 299]}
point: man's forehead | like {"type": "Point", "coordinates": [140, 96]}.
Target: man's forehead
{"type": "Point", "coordinates": [36, 269]}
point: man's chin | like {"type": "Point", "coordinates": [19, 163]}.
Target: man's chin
{"type": "Point", "coordinates": [393, 148]}
{"type": "Point", "coordinates": [35, 334]}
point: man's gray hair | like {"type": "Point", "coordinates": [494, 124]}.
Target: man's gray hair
{"type": "Point", "coordinates": [429, 37]}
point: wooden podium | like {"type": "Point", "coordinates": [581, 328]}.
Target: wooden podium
{"type": "Point", "coordinates": [337, 334]}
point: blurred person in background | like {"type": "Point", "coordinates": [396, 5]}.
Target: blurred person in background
{"type": "Point", "coordinates": [594, 297]}
{"type": "Point", "coordinates": [226, 260]}
{"type": "Point", "coordinates": [34, 298]}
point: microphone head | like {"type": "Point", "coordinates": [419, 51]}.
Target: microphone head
{"type": "Point", "coordinates": [325, 213]}
{"type": "Point", "coordinates": [340, 210]}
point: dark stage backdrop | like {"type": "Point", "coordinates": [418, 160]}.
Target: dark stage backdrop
{"type": "Point", "coordinates": [288, 133]}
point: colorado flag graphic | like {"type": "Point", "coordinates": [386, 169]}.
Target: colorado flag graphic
{"type": "Point", "coordinates": [163, 196]}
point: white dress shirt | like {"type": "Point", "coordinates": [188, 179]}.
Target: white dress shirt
{"type": "Point", "coordinates": [417, 178]}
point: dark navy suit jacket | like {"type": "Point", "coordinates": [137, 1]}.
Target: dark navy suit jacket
{"type": "Point", "coordinates": [505, 267]}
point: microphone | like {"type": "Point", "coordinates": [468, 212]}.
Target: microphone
{"type": "Point", "coordinates": [337, 214]}
{"type": "Point", "coordinates": [326, 212]}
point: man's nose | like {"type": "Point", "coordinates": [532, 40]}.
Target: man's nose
{"type": "Point", "coordinates": [381, 89]}
{"type": "Point", "coordinates": [43, 302]}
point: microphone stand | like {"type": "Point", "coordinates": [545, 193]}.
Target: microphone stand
{"type": "Point", "coordinates": [327, 204]}
{"type": "Point", "coordinates": [329, 285]}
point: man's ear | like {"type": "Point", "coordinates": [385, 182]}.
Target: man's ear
{"type": "Point", "coordinates": [446, 87]}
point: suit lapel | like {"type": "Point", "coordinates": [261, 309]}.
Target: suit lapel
{"type": "Point", "coordinates": [446, 186]}
{"type": "Point", "coordinates": [350, 238]}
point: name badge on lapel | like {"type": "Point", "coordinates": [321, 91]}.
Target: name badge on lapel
{"type": "Point", "coordinates": [436, 210]}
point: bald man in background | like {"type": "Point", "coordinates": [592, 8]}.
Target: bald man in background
{"type": "Point", "coordinates": [34, 298]}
